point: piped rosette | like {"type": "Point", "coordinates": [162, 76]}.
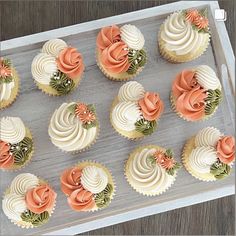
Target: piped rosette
{"type": "Point", "coordinates": [58, 68]}
{"type": "Point", "coordinates": [135, 112]}
{"type": "Point", "coordinates": [29, 201]}
{"type": "Point", "coordinates": [89, 186]}
{"type": "Point", "coordinates": [196, 93]}
{"type": "Point", "coordinates": [74, 126]}
{"type": "Point", "coordinates": [209, 155]}
{"type": "Point", "coordinates": [151, 170]}
{"type": "Point", "coordinates": [120, 51]}
{"type": "Point", "coordinates": [16, 144]}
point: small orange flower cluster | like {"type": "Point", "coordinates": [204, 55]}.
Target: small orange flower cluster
{"type": "Point", "coordinates": [197, 19]}
{"type": "Point", "coordinates": [5, 71]}
{"type": "Point", "coordinates": [163, 160]}
{"type": "Point", "coordinates": [86, 116]}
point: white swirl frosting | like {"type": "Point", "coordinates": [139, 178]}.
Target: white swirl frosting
{"type": "Point", "coordinates": [54, 47]}
{"type": "Point", "coordinates": [5, 90]}
{"type": "Point", "coordinates": [207, 77]}
{"type": "Point", "coordinates": [146, 176]}
{"type": "Point", "coordinates": [131, 91]}
{"type": "Point", "coordinates": [94, 179]}
{"type": "Point", "coordinates": [66, 130]}
{"type": "Point", "coordinates": [180, 37]}
{"type": "Point", "coordinates": [132, 36]}
{"type": "Point", "coordinates": [23, 182]}
{"type": "Point", "coordinates": [12, 129]}
{"type": "Point", "coordinates": [201, 159]}
{"type": "Point", "coordinates": [13, 205]}
{"type": "Point", "coordinates": [125, 114]}
{"type": "Point", "coordinates": [208, 136]}
{"type": "Point", "coordinates": [43, 67]}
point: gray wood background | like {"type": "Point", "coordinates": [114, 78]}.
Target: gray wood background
{"type": "Point", "coordinates": [20, 18]}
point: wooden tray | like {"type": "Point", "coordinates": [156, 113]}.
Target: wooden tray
{"type": "Point", "coordinates": [36, 108]}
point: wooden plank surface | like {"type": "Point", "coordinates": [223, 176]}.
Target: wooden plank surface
{"type": "Point", "coordinates": [91, 81]}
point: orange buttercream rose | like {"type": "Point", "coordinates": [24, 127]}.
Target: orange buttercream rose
{"type": "Point", "coordinates": [6, 159]}
{"type": "Point", "coordinates": [151, 106]}
{"type": "Point", "coordinates": [191, 104]}
{"type": "Point", "coordinates": [41, 198]}
{"type": "Point", "coordinates": [184, 82]}
{"type": "Point", "coordinates": [107, 36]}
{"type": "Point", "coordinates": [81, 200]}
{"type": "Point", "coordinates": [226, 149]}
{"type": "Point", "coordinates": [115, 58]}
{"type": "Point", "coordinates": [70, 62]}
{"type": "Point", "coordinates": [70, 180]}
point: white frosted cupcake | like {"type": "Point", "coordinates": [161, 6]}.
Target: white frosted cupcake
{"type": "Point", "coordinates": [74, 126]}
{"type": "Point", "coordinates": [151, 170]}
{"type": "Point", "coordinates": [16, 144]}
{"type": "Point", "coordinates": [29, 201]}
{"type": "Point", "coordinates": [209, 155]}
{"type": "Point", "coordinates": [135, 112]}
{"type": "Point", "coordinates": [196, 93]}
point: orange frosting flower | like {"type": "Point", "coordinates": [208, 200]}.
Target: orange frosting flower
{"type": "Point", "coordinates": [4, 70]}
{"type": "Point", "coordinates": [191, 15]}
{"type": "Point", "coordinates": [70, 62]}
{"type": "Point", "coordinates": [151, 106]}
{"type": "Point", "coordinates": [87, 117]}
{"type": "Point", "coordinates": [191, 104]}
{"type": "Point", "coordinates": [226, 149]}
{"type": "Point", "coordinates": [6, 159]}
{"type": "Point", "coordinates": [70, 180]}
{"type": "Point", "coordinates": [81, 200]}
{"type": "Point", "coordinates": [159, 156]}
{"type": "Point", "coordinates": [201, 22]}
{"type": "Point", "coordinates": [168, 163]}
{"type": "Point", "coordinates": [184, 82]}
{"type": "Point", "coordinates": [41, 198]}
{"type": "Point", "coordinates": [107, 36]}
{"type": "Point", "coordinates": [115, 58]}
{"type": "Point", "coordinates": [80, 109]}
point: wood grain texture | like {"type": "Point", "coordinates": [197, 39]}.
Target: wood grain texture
{"type": "Point", "coordinates": [39, 123]}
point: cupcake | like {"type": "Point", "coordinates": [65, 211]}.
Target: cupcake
{"type": "Point", "coordinates": [9, 83]}
{"type": "Point", "coordinates": [184, 36]}
{"type": "Point", "coordinates": [120, 53]}
{"type": "Point", "coordinates": [151, 170]}
{"type": "Point", "coordinates": [88, 186]}
{"type": "Point", "coordinates": [196, 93]}
{"type": "Point", "coordinates": [29, 201]}
{"type": "Point", "coordinates": [209, 155]}
{"type": "Point", "coordinates": [16, 143]}
{"type": "Point", "coordinates": [58, 68]}
{"type": "Point", "coordinates": [74, 126]}
{"type": "Point", "coordinates": [135, 112]}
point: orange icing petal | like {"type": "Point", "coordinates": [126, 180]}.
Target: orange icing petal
{"type": "Point", "coordinates": [226, 149]}
{"type": "Point", "coordinates": [6, 159]}
{"type": "Point", "coordinates": [191, 15]}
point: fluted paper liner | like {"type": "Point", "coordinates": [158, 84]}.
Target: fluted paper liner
{"type": "Point", "coordinates": [113, 76]}
{"type": "Point", "coordinates": [188, 147]}
{"type": "Point", "coordinates": [28, 225]}
{"type": "Point", "coordinates": [127, 174]}
{"type": "Point", "coordinates": [111, 180]}
{"type": "Point", "coordinates": [14, 92]}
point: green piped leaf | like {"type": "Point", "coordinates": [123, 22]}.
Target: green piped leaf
{"type": "Point", "coordinates": [220, 170]}
{"type": "Point", "coordinates": [145, 127]}
{"type": "Point", "coordinates": [72, 108]}
{"type": "Point", "coordinates": [213, 99]}
{"type": "Point", "coordinates": [169, 153]}
{"type": "Point", "coordinates": [151, 160]}
{"type": "Point", "coordinates": [90, 125]}
{"type": "Point", "coordinates": [92, 108]}
{"type": "Point", "coordinates": [103, 198]}
{"type": "Point", "coordinates": [172, 170]}
{"type": "Point", "coordinates": [35, 219]}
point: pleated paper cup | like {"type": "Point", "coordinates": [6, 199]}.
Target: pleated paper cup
{"type": "Point", "coordinates": [128, 175]}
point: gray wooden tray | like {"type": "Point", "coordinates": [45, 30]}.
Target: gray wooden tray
{"type": "Point", "coordinates": [36, 108]}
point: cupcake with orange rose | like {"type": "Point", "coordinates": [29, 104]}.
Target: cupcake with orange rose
{"type": "Point", "coordinates": [135, 112]}
{"type": "Point", "coordinates": [29, 201]}
{"type": "Point", "coordinates": [88, 186]}
{"type": "Point", "coordinates": [120, 52]}
{"type": "Point", "coordinates": [196, 93]}
{"type": "Point", "coordinates": [58, 68]}
{"type": "Point", "coordinates": [74, 126]}
{"type": "Point", "coordinates": [184, 36]}
{"type": "Point", "coordinates": [209, 155]}
{"type": "Point", "coordinates": [151, 170]}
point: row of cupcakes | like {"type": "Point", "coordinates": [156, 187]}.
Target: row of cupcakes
{"type": "Point", "coordinates": [120, 54]}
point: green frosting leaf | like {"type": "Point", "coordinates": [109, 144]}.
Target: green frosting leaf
{"type": "Point", "coordinates": [103, 198]}
{"type": "Point", "coordinates": [169, 153]}
{"type": "Point", "coordinates": [35, 219]}
{"type": "Point", "coordinates": [61, 83]}
{"type": "Point", "coordinates": [145, 127]}
{"type": "Point", "coordinates": [72, 108]}
{"type": "Point", "coordinates": [6, 62]}
{"type": "Point", "coordinates": [220, 170]}
{"type": "Point", "coordinates": [137, 59]}
{"type": "Point", "coordinates": [92, 108]}
{"type": "Point", "coordinates": [90, 125]}
{"type": "Point", "coordinates": [152, 160]}
{"type": "Point", "coordinates": [213, 99]}
{"type": "Point", "coordinates": [172, 170]}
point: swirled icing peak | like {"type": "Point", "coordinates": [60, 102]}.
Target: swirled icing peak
{"type": "Point", "coordinates": [12, 129]}
{"type": "Point", "coordinates": [54, 47]}
{"type": "Point", "coordinates": [94, 179]}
